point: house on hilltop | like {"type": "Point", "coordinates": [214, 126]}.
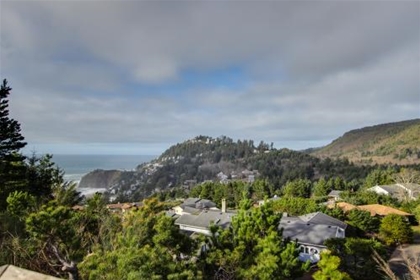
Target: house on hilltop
{"type": "Point", "coordinates": [311, 231]}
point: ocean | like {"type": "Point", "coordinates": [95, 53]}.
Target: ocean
{"type": "Point", "coordinates": [75, 166]}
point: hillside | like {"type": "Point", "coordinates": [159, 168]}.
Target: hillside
{"type": "Point", "coordinates": [395, 143]}
{"type": "Point", "coordinates": [218, 159]}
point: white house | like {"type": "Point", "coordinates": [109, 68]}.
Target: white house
{"type": "Point", "coordinates": [400, 191]}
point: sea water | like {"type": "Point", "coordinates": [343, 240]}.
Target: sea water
{"type": "Point", "coordinates": [75, 166]}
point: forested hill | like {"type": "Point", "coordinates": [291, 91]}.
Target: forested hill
{"type": "Point", "coordinates": [221, 159]}
{"type": "Point", "coordinates": [396, 143]}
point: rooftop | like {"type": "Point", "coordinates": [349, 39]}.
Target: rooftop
{"type": "Point", "coordinates": [11, 272]}
{"type": "Point", "coordinates": [205, 219]}
{"type": "Point", "coordinates": [313, 228]}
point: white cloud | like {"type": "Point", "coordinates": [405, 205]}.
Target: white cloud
{"type": "Point", "coordinates": [114, 72]}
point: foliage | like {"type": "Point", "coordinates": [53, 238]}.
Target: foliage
{"type": "Point", "coordinates": [329, 268]}
{"type": "Point", "coordinates": [395, 229]}
{"type": "Point", "coordinates": [363, 221]}
{"type": "Point", "coordinates": [321, 188]}
{"type": "Point", "coordinates": [379, 177]}
{"type": "Point", "coordinates": [356, 256]}
{"type": "Point", "coordinates": [391, 142]}
{"type": "Point", "coordinates": [368, 197]}
{"type": "Point", "coordinates": [12, 165]}
{"type": "Point", "coordinates": [295, 206]}
{"type": "Point", "coordinates": [20, 204]}
{"type": "Point", "coordinates": [252, 249]}
{"type": "Point", "coordinates": [298, 188]}
{"type": "Point", "coordinates": [149, 245]}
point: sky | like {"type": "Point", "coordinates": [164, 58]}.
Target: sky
{"type": "Point", "coordinates": [134, 77]}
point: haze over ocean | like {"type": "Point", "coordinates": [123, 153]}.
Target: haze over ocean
{"type": "Point", "coordinates": [75, 166]}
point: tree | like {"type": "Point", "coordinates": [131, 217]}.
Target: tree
{"type": "Point", "coordinates": [298, 188]}
{"type": "Point", "coordinates": [395, 230]}
{"type": "Point", "coordinates": [53, 232]}
{"type": "Point", "coordinates": [356, 256]}
{"type": "Point", "coordinates": [321, 188]}
{"type": "Point", "coordinates": [363, 220]}
{"type": "Point", "coordinates": [252, 249]}
{"type": "Point", "coordinates": [148, 246]}
{"type": "Point", "coordinates": [329, 268]}
{"type": "Point", "coordinates": [295, 205]}
{"type": "Point", "coordinates": [379, 177]}
{"type": "Point", "coordinates": [12, 165]}
{"type": "Point", "coordinates": [407, 175]}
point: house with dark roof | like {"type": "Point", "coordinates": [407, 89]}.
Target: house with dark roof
{"type": "Point", "coordinates": [334, 195]}
{"type": "Point", "coordinates": [311, 231]}
{"type": "Point", "coordinates": [401, 191]}
{"type": "Point", "coordinates": [194, 205]}
{"type": "Point", "coordinates": [202, 222]}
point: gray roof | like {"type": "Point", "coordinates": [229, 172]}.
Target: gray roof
{"type": "Point", "coordinates": [205, 219]}
{"type": "Point", "coordinates": [320, 218]}
{"type": "Point", "coordinates": [392, 189]}
{"type": "Point", "coordinates": [335, 193]}
{"type": "Point", "coordinates": [313, 228]}
{"type": "Point", "coordinates": [191, 201]}
{"type": "Point", "coordinates": [197, 203]}
{"type": "Point", "coordinates": [307, 233]}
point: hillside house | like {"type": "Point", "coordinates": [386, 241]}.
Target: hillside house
{"type": "Point", "coordinates": [334, 195]}
{"type": "Point", "coordinates": [202, 222]}
{"type": "Point", "coordinates": [310, 231]}
{"type": "Point", "coordinates": [194, 206]}
{"type": "Point", "coordinates": [400, 191]}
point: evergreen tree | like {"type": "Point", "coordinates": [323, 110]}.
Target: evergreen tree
{"type": "Point", "coordinates": [328, 268]}
{"type": "Point", "coordinates": [12, 165]}
{"type": "Point", "coordinates": [395, 229]}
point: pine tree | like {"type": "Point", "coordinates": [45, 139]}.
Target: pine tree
{"type": "Point", "coordinates": [12, 164]}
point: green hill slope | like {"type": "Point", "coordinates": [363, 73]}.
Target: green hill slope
{"type": "Point", "coordinates": [396, 143]}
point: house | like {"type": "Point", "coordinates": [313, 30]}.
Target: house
{"type": "Point", "coordinates": [202, 222]}
{"type": "Point", "coordinates": [123, 207]}
{"type": "Point", "coordinates": [311, 231]}
{"type": "Point", "coordinates": [401, 191]}
{"type": "Point", "coordinates": [334, 195]}
{"type": "Point", "coordinates": [373, 209]}
{"type": "Point", "coordinates": [194, 206]}
{"type": "Point", "coordinates": [262, 201]}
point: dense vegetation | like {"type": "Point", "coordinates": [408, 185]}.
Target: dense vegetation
{"type": "Point", "coordinates": [207, 159]}
{"type": "Point", "coordinates": [386, 143]}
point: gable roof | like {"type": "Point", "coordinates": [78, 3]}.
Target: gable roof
{"type": "Point", "coordinates": [197, 203]}
{"type": "Point", "coordinates": [320, 218]}
{"type": "Point", "coordinates": [205, 219]}
{"type": "Point", "coordinates": [313, 228]}
{"type": "Point", "coordinates": [308, 233]}
{"type": "Point", "coordinates": [335, 193]}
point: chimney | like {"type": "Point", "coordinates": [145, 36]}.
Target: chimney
{"type": "Point", "coordinates": [223, 205]}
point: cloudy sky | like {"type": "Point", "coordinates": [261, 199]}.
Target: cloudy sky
{"type": "Point", "coordinates": [133, 77]}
